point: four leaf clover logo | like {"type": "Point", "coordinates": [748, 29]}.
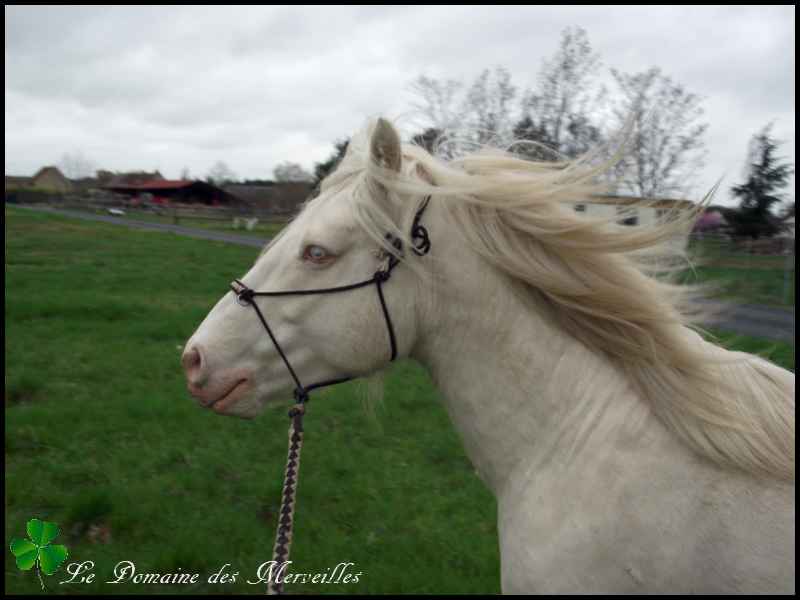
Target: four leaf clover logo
{"type": "Point", "coordinates": [38, 551]}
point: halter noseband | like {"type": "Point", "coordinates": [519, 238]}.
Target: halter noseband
{"type": "Point", "coordinates": [245, 296]}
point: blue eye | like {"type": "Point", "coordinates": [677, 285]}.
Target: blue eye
{"type": "Point", "coordinates": [316, 254]}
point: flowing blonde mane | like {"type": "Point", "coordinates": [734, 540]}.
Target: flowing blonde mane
{"type": "Point", "coordinates": [605, 285]}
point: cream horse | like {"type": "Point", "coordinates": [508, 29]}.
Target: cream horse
{"type": "Point", "coordinates": [626, 453]}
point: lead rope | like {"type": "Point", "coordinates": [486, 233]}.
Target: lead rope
{"type": "Point", "coordinates": [283, 537]}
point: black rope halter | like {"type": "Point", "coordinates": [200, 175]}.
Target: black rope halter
{"type": "Point", "coordinates": [246, 297]}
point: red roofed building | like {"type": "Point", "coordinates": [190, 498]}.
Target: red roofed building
{"type": "Point", "coordinates": [165, 191]}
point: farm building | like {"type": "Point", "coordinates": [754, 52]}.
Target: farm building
{"type": "Point", "coordinates": [108, 179]}
{"type": "Point", "coordinates": [629, 214]}
{"type": "Point", "coordinates": [278, 198]}
{"type": "Point", "coordinates": [165, 191]}
{"type": "Point", "coordinates": [48, 179]}
{"type": "Point", "coordinates": [628, 211]}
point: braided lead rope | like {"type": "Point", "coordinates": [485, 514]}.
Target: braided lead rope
{"type": "Point", "coordinates": [283, 537]}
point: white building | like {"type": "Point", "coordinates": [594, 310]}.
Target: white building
{"type": "Point", "coordinates": [635, 212]}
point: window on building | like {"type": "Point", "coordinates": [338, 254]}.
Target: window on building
{"type": "Point", "coordinates": [580, 208]}
{"type": "Point", "coordinates": [627, 215]}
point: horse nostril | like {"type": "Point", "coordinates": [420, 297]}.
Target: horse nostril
{"type": "Point", "coordinates": [193, 363]}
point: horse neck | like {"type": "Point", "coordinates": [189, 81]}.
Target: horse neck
{"type": "Point", "coordinates": [519, 390]}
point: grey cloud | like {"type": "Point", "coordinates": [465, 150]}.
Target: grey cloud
{"type": "Point", "coordinates": [138, 87]}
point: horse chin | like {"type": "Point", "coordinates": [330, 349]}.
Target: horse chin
{"type": "Point", "coordinates": [245, 408]}
{"type": "Point", "coordinates": [255, 401]}
{"type": "Point", "coordinates": [246, 405]}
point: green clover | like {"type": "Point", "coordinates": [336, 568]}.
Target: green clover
{"type": "Point", "coordinates": [38, 551]}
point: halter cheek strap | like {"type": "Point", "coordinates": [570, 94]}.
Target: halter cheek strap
{"type": "Point", "coordinates": [246, 296]}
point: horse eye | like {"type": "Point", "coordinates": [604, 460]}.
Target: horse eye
{"type": "Point", "coordinates": [316, 254]}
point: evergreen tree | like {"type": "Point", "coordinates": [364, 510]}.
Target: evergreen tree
{"type": "Point", "coordinates": [428, 139]}
{"type": "Point", "coordinates": [321, 170]}
{"type": "Point", "coordinates": [765, 176]}
{"type": "Point", "coordinates": [542, 146]}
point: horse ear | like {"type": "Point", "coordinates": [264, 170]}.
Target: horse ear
{"type": "Point", "coordinates": [384, 146]}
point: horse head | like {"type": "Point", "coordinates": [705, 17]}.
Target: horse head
{"type": "Point", "coordinates": [231, 363]}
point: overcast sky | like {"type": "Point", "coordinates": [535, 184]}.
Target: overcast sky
{"type": "Point", "coordinates": [173, 87]}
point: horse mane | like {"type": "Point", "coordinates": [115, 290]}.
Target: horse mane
{"type": "Point", "coordinates": [605, 284]}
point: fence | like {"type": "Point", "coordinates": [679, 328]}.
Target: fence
{"type": "Point", "coordinates": [236, 216]}
{"type": "Point", "coordinates": [779, 244]}
{"type": "Point", "coordinates": [32, 196]}
{"type": "Point", "coordinates": [761, 271]}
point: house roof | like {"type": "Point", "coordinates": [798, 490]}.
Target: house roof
{"type": "Point", "coordinates": [652, 202]}
{"type": "Point", "coordinates": [152, 184]}
{"type": "Point", "coordinates": [133, 178]}
{"type": "Point", "coordinates": [165, 184]}
{"type": "Point", "coordinates": [50, 169]}
{"type": "Point", "coordinates": [199, 189]}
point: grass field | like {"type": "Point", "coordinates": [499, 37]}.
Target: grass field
{"type": "Point", "coordinates": [102, 438]}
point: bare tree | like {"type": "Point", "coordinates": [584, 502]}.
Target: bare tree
{"type": "Point", "coordinates": [76, 166]}
{"type": "Point", "coordinates": [482, 114]}
{"type": "Point", "coordinates": [220, 174]}
{"type": "Point", "coordinates": [291, 172]}
{"type": "Point", "coordinates": [437, 101]}
{"type": "Point", "coordinates": [560, 112]}
{"type": "Point", "coordinates": [486, 109]}
{"type": "Point", "coordinates": [666, 147]}
{"type": "Point", "coordinates": [185, 175]}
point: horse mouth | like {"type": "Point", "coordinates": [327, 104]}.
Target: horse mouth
{"type": "Point", "coordinates": [230, 397]}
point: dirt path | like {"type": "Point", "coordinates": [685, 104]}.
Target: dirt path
{"type": "Point", "coordinates": [758, 321]}
{"type": "Point", "coordinates": [747, 319]}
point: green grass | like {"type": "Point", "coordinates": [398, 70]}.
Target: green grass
{"type": "Point", "coordinates": [780, 353]}
{"type": "Point", "coordinates": [101, 435]}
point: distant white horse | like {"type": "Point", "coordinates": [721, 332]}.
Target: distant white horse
{"type": "Point", "coordinates": [626, 453]}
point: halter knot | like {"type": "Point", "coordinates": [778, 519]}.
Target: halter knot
{"type": "Point", "coordinates": [301, 397]}
{"type": "Point", "coordinates": [382, 276]}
